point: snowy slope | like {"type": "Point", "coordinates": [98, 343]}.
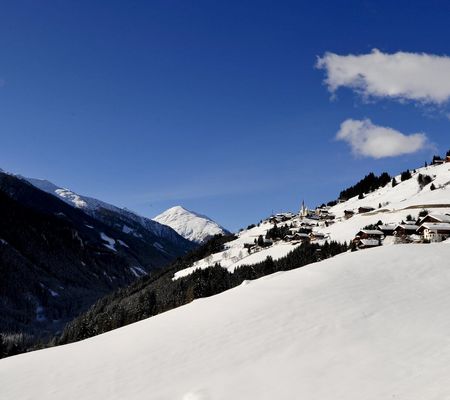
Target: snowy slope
{"type": "Point", "coordinates": [192, 226]}
{"type": "Point", "coordinates": [367, 325]}
{"type": "Point", "coordinates": [234, 253]}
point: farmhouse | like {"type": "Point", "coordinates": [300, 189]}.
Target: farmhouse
{"type": "Point", "coordinates": [444, 218]}
{"type": "Point", "coordinates": [316, 236]}
{"type": "Point", "coordinates": [405, 229]}
{"type": "Point", "coordinates": [303, 237]}
{"type": "Point", "coordinates": [370, 234]}
{"type": "Point", "coordinates": [434, 231]}
{"type": "Point", "coordinates": [348, 214]}
{"type": "Point", "coordinates": [367, 243]}
{"type": "Point", "coordinates": [388, 230]}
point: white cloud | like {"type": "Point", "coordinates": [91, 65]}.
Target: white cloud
{"type": "Point", "coordinates": [369, 140]}
{"type": "Point", "coordinates": [402, 76]}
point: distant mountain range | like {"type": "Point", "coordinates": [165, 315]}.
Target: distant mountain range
{"type": "Point", "coordinates": [192, 226]}
{"type": "Point", "coordinates": [60, 252]}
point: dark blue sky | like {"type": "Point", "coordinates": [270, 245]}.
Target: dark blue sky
{"type": "Point", "coordinates": [216, 106]}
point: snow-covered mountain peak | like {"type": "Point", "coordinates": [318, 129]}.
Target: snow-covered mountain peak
{"type": "Point", "coordinates": [105, 211]}
{"type": "Point", "coordinates": [191, 225]}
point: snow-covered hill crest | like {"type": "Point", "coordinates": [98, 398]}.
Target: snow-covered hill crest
{"type": "Point", "coordinates": [192, 226]}
{"type": "Point", "coordinates": [365, 325]}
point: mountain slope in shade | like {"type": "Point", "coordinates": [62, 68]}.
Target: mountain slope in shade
{"type": "Point", "coordinates": [366, 325]}
{"type": "Point", "coordinates": [109, 214]}
{"type": "Point", "coordinates": [192, 226]}
{"type": "Point", "coordinates": [55, 260]}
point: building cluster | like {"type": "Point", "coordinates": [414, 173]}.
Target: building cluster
{"type": "Point", "coordinates": [430, 229]}
{"type": "Point", "coordinates": [302, 225]}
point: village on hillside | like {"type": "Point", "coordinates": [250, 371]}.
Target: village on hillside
{"type": "Point", "coordinates": [310, 225]}
{"type": "Point", "coordinates": [411, 207]}
{"type": "Point", "coordinates": [301, 227]}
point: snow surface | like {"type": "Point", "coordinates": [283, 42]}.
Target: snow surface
{"type": "Point", "coordinates": [192, 226]}
{"type": "Point", "coordinates": [366, 325]}
{"type": "Point", "coordinates": [110, 242]}
{"type": "Point", "coordinates": [138, 272]}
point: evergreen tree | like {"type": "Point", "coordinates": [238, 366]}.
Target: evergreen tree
{"type": "Point", "coordinates": [405, 175]}
{"type": "Point", "coordinates": [260, 241]}
{"type": "Point", "coordinates": [394, 182]}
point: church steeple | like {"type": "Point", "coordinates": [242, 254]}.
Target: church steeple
{"type": "Point", "coordinates": [303, 210]}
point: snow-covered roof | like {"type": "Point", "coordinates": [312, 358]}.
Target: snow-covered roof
{"type": "Point", "coordinates": [439, 217]}
{"type": "Point", "coordinates": [369, 242]}
{"type": "Point", "coordinates": [387, 227]}
{"type": "Point", "coordinates": [407, 227]}
{"type": "Point", "coordinates": [317, 234]}
{"type": "Point", "coordinates": [436, 226]}
{"type": "Point", "coordinates": [371, 232]}
{"type": "Point", "coordinates": [305, 235]}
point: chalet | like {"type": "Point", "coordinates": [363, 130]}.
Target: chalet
{"type": "Point", "coordinates": [348, 214]}
{"type": "Point", "coordinates": [322, 211]}
{"type": "Point", "coordinates": [370, 234]}
{"type": "Point", "coordinates": [279, 218]}
{"type": "Point", "coordinates": [405, 230]}
{"type": "Point", "coordinates": [434, 231]}
{"type": "Point", "coordinates": [316, 236]}
{"type": "Point", "coordinates": [303, 237]}
{"type": "Point", "coordinates": [362, 210]}
{"type": "Point", "coordinates": [443, 218]}
{"type": "Point", "coordinates": [388, 230]}
{"type": "Point", "coordinates": [367, 243]}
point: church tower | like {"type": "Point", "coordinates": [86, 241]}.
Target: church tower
{"type": "Point", "coordinates": [303, 210]}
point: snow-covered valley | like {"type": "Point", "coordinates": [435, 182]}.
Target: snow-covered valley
{"type": "Point", "coordinates": [372, 324]}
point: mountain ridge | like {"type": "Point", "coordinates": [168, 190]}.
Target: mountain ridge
{"type": "Point", "coordinates": [191, 225]}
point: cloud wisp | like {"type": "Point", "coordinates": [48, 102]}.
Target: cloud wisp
{"type": "Point", "coordinates": [419, 77]}
{"type": "Point", "coordinates": [369, 140]}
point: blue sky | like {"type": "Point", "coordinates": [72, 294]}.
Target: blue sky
{"type": "Point", "coordinates": [217, 106]}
